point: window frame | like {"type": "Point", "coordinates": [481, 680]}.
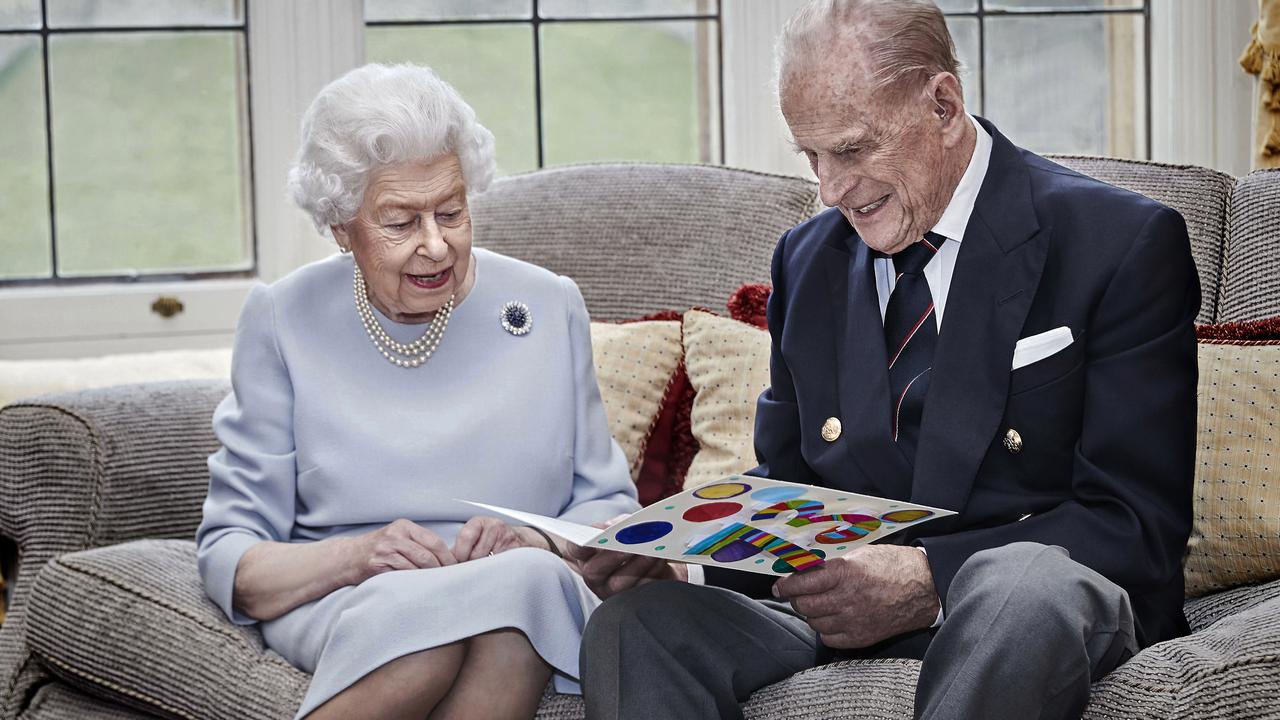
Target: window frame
{"type": "Point", "coordinates": [535, 22]}
{"type": "Point", "coordinates": [46, 33]}
{"type": "Point", "coordinates": [981, 13]}
{"type": "Point", "coordinates": [297, 46]}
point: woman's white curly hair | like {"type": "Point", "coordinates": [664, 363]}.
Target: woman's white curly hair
{"type": "Point", "coordinates": [379, 115]}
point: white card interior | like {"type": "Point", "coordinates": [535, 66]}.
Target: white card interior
{"type": "Point", "coordinates": [573, 532]}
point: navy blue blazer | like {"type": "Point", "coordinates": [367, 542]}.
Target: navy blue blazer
{"type": "Point", "coordinates": [1108, 424]}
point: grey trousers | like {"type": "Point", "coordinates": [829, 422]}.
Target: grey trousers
{"type": "Point", "coordinates": [1027, 630]}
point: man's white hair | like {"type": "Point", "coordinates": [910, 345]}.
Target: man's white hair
{"type": "Point", "coordinates": [907, 41]}
{"type": "Point", "coordinates": [378, 115]}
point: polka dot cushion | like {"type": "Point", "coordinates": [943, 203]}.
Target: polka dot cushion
{"type": "Point", "coordinates": [728, 365]}
{"type": "Point", "coordinates": [634, 363]}
{"type": "Point", "coordinates": [1236, 537]}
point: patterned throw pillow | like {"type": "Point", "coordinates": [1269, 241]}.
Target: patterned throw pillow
{"type": "Point", "coordinates": [728, 365]}
{"type": "Point", "coordinates": [634, 363]}
{"type": "Point", "coordinates": [1236, 536]}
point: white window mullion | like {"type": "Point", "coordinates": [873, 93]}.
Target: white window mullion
{"type": "Point", "coordinates": [755, 135]}
{"type": "Point", "coordinates": [296, 47]}
{"type": "Point", "coordinates": [1201, 99]}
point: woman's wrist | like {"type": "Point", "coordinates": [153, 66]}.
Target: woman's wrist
{"type": "Point", "coordinates": [345, 558]}
{"type": "Point", "coordinates": [536, 538]}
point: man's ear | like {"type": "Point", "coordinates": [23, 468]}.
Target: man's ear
{"type": "Point", "coordinates": [943, 91]}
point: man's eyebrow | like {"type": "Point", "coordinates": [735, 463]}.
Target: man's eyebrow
{"type": "Point", "coordinates": [846, 145]}
{"type": "Point", "coordinates": [842, 146]}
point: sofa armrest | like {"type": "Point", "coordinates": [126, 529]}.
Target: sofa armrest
{"type": "Point", "coordinates": [98, 467]}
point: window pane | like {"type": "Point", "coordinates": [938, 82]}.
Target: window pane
{"type": "Point", "coordinates": [1093, 102]}
{"type": "Point", "coordinates": [384, 10]}
{"type": "Point", "coordinates": [19, 15]}
{"type": "Point", "coordinates": [24, 179]}
{"type": "Point", "coordinates": [958, 5]}
{"type": "Point", "coordinates": [624, 8]}
{"type": "Point", "coordinates": [630, 91]}
{"type": "Point", "coordinates": [492, 68]}
{"type": "Point", "coordinates": [149, 167]}
{"type": "Point", "coordinates": [1060, 4]}
{"type": "Point", "coordinates": [964, 31]}
{"type": "Point", "coordinates": [153, 13]}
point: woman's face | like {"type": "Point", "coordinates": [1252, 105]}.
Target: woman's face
{"type": "Point", "coordinates": [412, 238]}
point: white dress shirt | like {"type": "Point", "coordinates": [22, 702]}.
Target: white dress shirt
{"type": "Point", "coordinates": [938, 272]}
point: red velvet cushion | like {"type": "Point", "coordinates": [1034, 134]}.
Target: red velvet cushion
{"type": "Point", "coordinates": [669, 449]}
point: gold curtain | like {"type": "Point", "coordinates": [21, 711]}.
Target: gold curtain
{"type": "Point", "coordinates": [1262, 58]}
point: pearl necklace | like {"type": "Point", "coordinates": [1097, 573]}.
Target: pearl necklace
{"type": "Point", "coordinates": [409, 355]}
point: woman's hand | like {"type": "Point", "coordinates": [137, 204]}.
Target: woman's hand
{"type": "Point", "coordinates": [482, 536]}
{"type": "Point", "coordinates": [401, 545]}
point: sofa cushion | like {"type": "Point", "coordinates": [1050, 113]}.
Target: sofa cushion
{"type": "Point", "coordinates": [876, 689]}
{"type": "Point", "coordinates": [1204, 611]}
{"type": "Point", "coordinates": [1251, 278]}
{"type": "Point", "coordinates": [728, 364]}
{"type": "Point", "coordinates": [640, 238]}
{"type": "Point", "coordinates": [133, 622]}
{"type": "Point", "coordinates": [635, 362]}
{"type": "Point", "coordinates": [1227, 671]}
{"type": "Point", "coordinates": [1236, 536]}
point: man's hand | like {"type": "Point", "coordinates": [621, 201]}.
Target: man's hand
{"type": "Point", "coordinates": [864, 597]}
{"type": "Point", "coordinates": [608, 573]}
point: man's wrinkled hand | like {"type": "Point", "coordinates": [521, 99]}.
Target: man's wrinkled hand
{"type": "Point", "coordinates": [867, 596]}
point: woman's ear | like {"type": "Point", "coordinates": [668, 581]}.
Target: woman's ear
{"type": "Point", "coordinates": [341, 237]}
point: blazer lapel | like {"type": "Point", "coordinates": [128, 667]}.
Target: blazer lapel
{"type": "Point", "coordinates": [862, 372]}
{"type": "Point", "coordinates": [997, 271]}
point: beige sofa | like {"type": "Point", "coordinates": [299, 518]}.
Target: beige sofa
{"type": "Point", "coordinates": [101, 489]}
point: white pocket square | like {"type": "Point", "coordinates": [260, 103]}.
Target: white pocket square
{"type": "Point", "coordinates": [1038, 347]}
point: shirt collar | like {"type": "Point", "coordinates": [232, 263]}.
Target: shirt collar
{"type": "Point", "coordinates": [956, 217]}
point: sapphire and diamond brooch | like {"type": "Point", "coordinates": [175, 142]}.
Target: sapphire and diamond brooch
{"type": "Point", "coordinates": [516, 318]}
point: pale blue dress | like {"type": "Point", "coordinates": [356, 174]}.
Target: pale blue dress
{"type": "Point", "coordinates": [321, 437]}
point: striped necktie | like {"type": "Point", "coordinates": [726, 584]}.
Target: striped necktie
{"type": "Point", "coordinates": [910, 335]}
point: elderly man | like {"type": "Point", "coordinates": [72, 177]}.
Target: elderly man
{"type": "Point", "coordinates": [969, 327]}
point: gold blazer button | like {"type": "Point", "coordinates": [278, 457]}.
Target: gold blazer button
{"type": "Point", "coordinates": [831, 429]}
{"type": "Point", "coordinates": [1012, 441]}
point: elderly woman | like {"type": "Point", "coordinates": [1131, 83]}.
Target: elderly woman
{"type": "Point", "coordinates": [374, 389]}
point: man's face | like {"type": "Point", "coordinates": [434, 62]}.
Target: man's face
{"type": "Point", "coordinates": [881, 160]}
